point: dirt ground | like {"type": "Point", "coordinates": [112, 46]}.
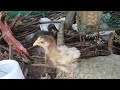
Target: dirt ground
{"type": "Point", "coordinates": [101, 67]}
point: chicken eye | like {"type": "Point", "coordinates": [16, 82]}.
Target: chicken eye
{"type": "Point", "coordinates": [42, 42]}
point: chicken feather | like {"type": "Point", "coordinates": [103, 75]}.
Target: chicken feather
{"type": "Point", "coordinates": [63, 58]}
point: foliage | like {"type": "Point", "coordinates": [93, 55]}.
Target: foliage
{"type": "Point", "coordinates": [12, 14]}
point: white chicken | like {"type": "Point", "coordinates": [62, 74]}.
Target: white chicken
{"type": "Point", "coordinates": [60, 57]}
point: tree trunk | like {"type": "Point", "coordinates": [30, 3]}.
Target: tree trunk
{"type": "Point", "coordinates": [60, 36]}
{"type": "Point", "coordinates": [90, 19]}
{"type": "Point", "coordinates": [69, 19]}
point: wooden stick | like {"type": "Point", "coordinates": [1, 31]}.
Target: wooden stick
{"type": "Point", "coordinates": [97, 31]}
{"type": "Point", "coordinates": [38, 57]}
{"type": "Point", "coordinates": [25, 72]}
{"type": "Point", "coordinates": [72, 37]}
{"type": "Point", "coordinates": [26, 33]}
{"type": "Point", "coordinates": [31, 47]}
{"type": "Point", "coordinates": [38, 65]}
{"type": "Point", "coordinates": [78, 26]}
{"type": "Point", "coordinates": [10, 51]}
{"type": "Point", "coordinates": [15, 21]}
{"type": "Point", "coordinates": [35, 23]}
{"type": "Point", "coordinates": [2, 37]}
{"type": "Point", "coordinates": [110, 43]}
{"type": "Point", "coordinates": [24, 58]}
{"type": "Point", "coordinates": [26, 15]}
{"type": "Point", "coordinates": [4, 48]}
{"type": "Point", "coordinates": [60, 36]}
{"type": "Point", "coordinates": [38, 15]}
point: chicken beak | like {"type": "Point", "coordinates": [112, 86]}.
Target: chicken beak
{"type": "Point", "coordinates": [35, 44]}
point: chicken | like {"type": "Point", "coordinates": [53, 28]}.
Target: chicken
{"type": "Point", "coordinates": [61, 57]}
{"type": "Point", "coordinates": [52, 30]}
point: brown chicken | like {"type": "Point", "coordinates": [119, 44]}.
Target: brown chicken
{"type": "Point", "coordinates": [52, 31]}
{"type": "Point", "coordinates": [61, 57]}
